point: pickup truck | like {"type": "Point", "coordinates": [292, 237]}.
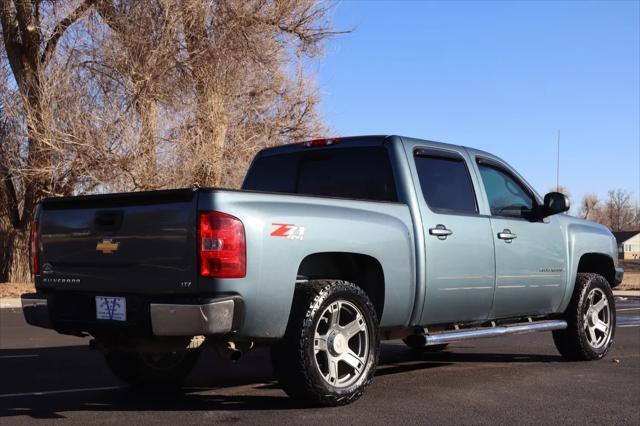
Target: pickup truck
{"type": "Point", "coordinates": [331, 246]}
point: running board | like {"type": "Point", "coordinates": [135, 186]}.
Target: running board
{"type": "Point", "coordinates": [499, 330]}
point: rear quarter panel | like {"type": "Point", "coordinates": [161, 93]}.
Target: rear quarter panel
{"type": "Point", "coordinates": [380, 230]}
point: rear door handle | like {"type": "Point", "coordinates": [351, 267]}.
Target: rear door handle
{"type": "Point", "coordinates": [440, 231]}
{"type": "Point", "coordinates": [507, 235]}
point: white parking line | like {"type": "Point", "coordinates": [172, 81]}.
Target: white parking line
{"type": "Point", "coordinates": [55, 392]}
{"type": "Point", "coordinates": [628, 309]}
{"type": "Point", "coordinates": [19, 356]}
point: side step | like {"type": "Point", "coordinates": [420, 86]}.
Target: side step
{"type": "Point", "coordinates": [499, 330]}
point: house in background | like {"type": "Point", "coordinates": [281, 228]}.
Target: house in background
{"type": "Point", "coordinates": [628, 244]}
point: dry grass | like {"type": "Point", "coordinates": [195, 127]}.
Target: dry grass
{"type": "Point", "coordinates": [8, 290]}
{"type": "Point", "coordinates": [631, 275]}
{"type": "Point", "coordinates": [630, 265]}
{"type": "Point", "coordinates": [631, 281]}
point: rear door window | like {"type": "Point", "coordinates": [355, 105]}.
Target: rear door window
{"type": "Point", "coordinates": [446, 183]}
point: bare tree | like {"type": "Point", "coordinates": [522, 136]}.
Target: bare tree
{"type": "Point", "coordinates": [561, 189]}
{"type": "Point", "coordinates": [589, 206]}
{"type": "Point", "coordinates": [102, 95]}
{"type": "Point", "coordinates": [30, 43]}
{"type": "Point", "coordinates": [619, 214]}
{"type": "Point", "coordinates": [221, 67]}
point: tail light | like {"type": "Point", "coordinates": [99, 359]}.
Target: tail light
{"type": "Point", "coordinates": [320, 142]}
{"type": "Point", "coordinates": [35, 242]}
{"type": "Point", "coordinates": [222, 246]}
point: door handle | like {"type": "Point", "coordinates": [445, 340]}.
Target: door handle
{"type": "Point", "coordinates": [507, 235]}
{"type": "Point", "coordinates": [440, 231]}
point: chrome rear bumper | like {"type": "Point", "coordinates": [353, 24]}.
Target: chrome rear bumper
{"type": "Point", "coordinates": [217, 317]}
{"type": "Point", "coordinates": [210, 317]}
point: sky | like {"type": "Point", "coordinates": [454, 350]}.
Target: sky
{"type": "Point", "coordinates": [498, 76]}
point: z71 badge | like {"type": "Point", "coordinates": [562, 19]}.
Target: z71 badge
{"type": "Point", "coordinates": [287, 230]}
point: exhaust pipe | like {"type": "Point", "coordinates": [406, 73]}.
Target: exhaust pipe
{"type": "Point", "coordinates": [477, 333]}
{"type": "Point", "coordinates": [233, 351]}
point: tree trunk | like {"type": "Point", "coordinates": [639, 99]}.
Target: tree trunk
{"type": "Point", "coordinates": [213, 123]}
{"type": "Point", "coordinates": [14, 256]}
{"type": "Point", "coordinates": [211, 116]}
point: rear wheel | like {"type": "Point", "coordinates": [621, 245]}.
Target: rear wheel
{"type": "Point", "coordinates": [165, 370]}
{"type": "Point", "coordinates": [329, 353]}
{"type": "Point", "coordinates": [591, 319]}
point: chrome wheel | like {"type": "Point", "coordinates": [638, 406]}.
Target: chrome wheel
{"type": "Point", "coordinates": [597, 319]}
{"type": "Point", "coordinates": [341, 344]}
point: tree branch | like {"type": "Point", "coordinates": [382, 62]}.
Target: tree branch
{"type": "Point", "coordinates": [110, 15]}
{"type": "Point", "coordinates": [59, 30]}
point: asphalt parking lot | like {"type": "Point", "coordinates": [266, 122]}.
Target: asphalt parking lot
{"type": "Point", "coordinates": [510, 380]}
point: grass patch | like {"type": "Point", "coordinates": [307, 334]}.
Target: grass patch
{"type": "Point", "coordinates": [630, 265]}
{"type": "Point", "coordinates": [9, 290]}
{"type": "Point", "coordinates": [631, 281]}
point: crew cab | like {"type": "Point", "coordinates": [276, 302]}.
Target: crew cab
{"type": "Point", "coordinates": [331, 246]}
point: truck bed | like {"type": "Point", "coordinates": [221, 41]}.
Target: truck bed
{"type": "Point", "coordinates": [144, 247]}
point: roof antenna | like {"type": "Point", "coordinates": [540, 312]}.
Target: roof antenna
{"type": "Point", "coordinates": [558, 165]}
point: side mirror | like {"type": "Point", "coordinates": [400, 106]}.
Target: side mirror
{"type": "Point", "coordinates": [554, 203]}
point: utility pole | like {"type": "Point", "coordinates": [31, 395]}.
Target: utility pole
{"type": "Point", "coordinates": [558, 165]}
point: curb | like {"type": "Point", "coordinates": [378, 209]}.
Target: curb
{"type": "Point", "coordinates": [627, 293]}
{"type": "Point", "coordinates": [10, 302]}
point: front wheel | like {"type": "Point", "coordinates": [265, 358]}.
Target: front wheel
{"type": "Point", "coordinates": [591, 319]}
{"type": "Point", "coordinates": [329, 353]}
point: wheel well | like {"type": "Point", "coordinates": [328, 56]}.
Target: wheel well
{"type": "Point", "coordinates": [360, 269]}
{"type": "Point", "coordinates": [599, 264]}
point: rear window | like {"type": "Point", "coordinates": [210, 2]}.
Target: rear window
{"type": "Point", "coordinates": [359, 173]}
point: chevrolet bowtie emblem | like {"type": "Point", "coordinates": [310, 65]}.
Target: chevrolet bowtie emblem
{"type": "Point", "coordinates": [107, 246]}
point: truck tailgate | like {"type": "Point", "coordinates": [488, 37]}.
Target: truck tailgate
{"type": "Point", "coordinates": [141, 242]}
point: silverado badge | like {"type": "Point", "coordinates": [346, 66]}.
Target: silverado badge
{"type": "Point", "coordinates": [107, 246]}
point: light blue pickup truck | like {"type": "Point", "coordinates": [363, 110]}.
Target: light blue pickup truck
{"type": "Point", "coordinates": [331, 246]}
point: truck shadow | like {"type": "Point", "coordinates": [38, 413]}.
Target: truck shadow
{"type": "Point", "coordinates": [213, 385]}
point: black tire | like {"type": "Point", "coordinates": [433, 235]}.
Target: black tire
{"type": "Point", "coordinates": [152, 371]}
{"type": "Point", "coordinates": [295, 362]}
{"type": "Point", "coordinates": [575, 342]}
{"type": "Point", "coordinates": [418, 342]}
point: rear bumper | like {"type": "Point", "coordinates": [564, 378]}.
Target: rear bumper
{"type": "Point", "coordinates": [618, 277]}
{"type": "Point", "coordinates": [212, 316]}
{"type": "Point", "coordinates": [216, 317]}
